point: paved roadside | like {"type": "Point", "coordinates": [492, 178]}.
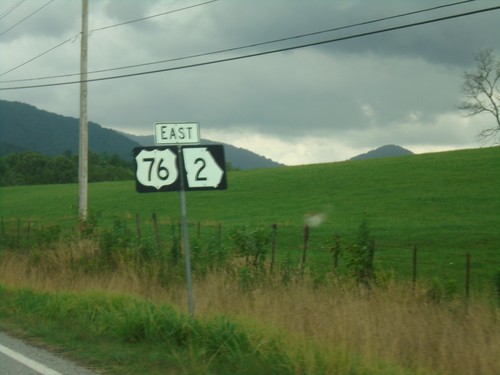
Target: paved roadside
{"type": "Point", "coordinates": [20, 358]}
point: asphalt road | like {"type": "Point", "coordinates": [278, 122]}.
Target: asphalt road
{"type": "Point", "coordinates": [20, 358]}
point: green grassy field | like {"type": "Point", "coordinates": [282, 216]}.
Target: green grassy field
{"type": "Point", "coordinates": [445, 203]}
{"type": "Point", "coordinates": [121, 308]}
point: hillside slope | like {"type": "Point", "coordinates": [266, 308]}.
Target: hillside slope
{"type": "Point", "coordinates": [24, 127]}
{"type": "Point", "coordinates": [383, 152]}
{"type": "Point", "coordinates": [445, 203]}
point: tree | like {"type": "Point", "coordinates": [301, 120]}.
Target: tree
{"type": "Point", "coordinates": [481, 90]}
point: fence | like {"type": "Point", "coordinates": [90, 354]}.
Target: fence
{"type": "Point", "coordinates": [303, 246]}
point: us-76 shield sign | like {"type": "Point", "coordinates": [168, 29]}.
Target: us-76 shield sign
{"type": "Point", "coordinates": [160, 168]}
{"type": "Point", "coordinates": [157, 169]}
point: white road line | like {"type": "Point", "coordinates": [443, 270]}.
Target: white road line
{"type": "Point", "coordinates": [37, 366]}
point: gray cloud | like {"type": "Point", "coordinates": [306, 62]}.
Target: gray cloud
{"type": "Point", "coordinates": [396, 87]}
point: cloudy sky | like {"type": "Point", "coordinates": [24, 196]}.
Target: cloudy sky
{"type": "Point", "coordinates": [326, 102]}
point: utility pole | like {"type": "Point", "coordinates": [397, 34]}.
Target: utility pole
{"type": "Point", "coordinates": [83, 136]}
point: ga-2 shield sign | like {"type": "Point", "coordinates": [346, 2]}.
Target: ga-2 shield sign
{"type": "Point", "coordinates": [159, 169]}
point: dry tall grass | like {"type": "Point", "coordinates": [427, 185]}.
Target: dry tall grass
{"type": "Point", "coordinates": [390, 323]}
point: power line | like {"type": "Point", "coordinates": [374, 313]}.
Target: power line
{"type": "Point", "coordinates": [95, 30]}
{"type": "Point", "coordinates": [240, 47]}
{"type": "Point", "coordinates": [40, 55]}
{"type": "Point", "coordinates": [241, 57]}
{"type": "Point", "coordinates": [8, 11]}
{"type": "Point", "coordinates": [25, 18]}
{"type": "Point", "coordinates": [153, 16]}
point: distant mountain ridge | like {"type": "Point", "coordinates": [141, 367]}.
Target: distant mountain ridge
{"type": "Point", "coordinates": [238, 157]}
{"type": "Point", "coordinates": [24, 127]}
{"type": "Point", "coordinates": [383, 152]}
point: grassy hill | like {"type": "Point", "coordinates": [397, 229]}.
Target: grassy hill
{"type": "Point", "coordinates": [125, 313]}
{"type": "Point", "coordinates": [384, 152]}
{"type": "Point", "coordinates": [445, 203]}
{"type": "Point", "coordinates": [24, 127]}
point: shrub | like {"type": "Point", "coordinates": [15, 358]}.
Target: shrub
{"type": "Point", "coordinates": [441, 290]}
{"type": "Point", "coordinates": [359, 257]}
{"type": "Point", "coordinates": [251, 245]}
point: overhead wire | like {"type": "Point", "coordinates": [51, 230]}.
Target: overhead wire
{"type": "Point", "coordinates": [152, 16]}
{"type": "Point", "coordinates": [25, 18]}
{"type": "Point", "coordinates": [262, 53]}
{"type": "Point", "coordinates": [100, 29]}
{"type": "Point", "coordinates": [40, 55]}
{"type": "Point", "coordinates": [11, 9]}
{"type": "Point", "coordinates": [232, 49]}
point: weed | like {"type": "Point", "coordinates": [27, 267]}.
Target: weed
{"type": "Point", "coordinates": [251, 246]}
{"type": "Point", "coordinates": [359, 257]}
{"type": "Point", "coordinates": [88, 226]}
{"type": "Point", "coordinates": [175, 243]}
{"type": "Point", "coordinates": [47, 236]}
{"type": "Point", "coordinates": [441, 290]}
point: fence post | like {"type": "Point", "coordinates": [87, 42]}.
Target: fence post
{"type": "Point", "coordinates": [28, 230]}
{"type": "Point", "coordinates": [414, 268]}
{"type": "Point", "coordinates": [304, 252]}
{"type": "Point", "coordinates": [138, 225]}
{"type": "Point", "coordinates": [467, 275]}
{"type": "Point", "coordinates": [336, 252]}
{"type": "Point", "coordinates": [273, 245]}
{"type": "Point", "coordinates": [18, 232]}
{"type": "Point", "coordinates": [156, 229]}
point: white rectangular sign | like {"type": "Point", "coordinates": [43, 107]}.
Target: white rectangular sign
{"type": "Point", "coordinates": [176, 133]}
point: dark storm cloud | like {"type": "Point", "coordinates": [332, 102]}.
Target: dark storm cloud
{"type": "Point", "coordinates": [395, 87]}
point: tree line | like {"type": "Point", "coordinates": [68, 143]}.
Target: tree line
{"type": "Point", "coordinates": [31, 168]}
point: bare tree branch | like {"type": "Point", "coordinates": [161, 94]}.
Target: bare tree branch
{"type": "Point", "coordinates": [481, 91]}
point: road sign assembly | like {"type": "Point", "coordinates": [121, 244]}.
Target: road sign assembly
{"type": "Point", "coordinates": [180, 168]}
{"type": "Point", "coordinates": [159, 168]}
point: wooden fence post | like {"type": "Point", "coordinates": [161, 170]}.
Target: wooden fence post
{"type": "Point", "coordinates": [28, 230]}
{"type": "Point", "coordinates": [336, 252]}
{"type": "Point", "coordinates": [156, 229]}
{"type": "Point", "coordinates": [273, 245]}
{"type": "Point", "coordinates": [18, 232]}
{"type": "Point", "coordinates": [467, 275]}
{"type": "Point", "coordinates": [414, 268]}
{"type": "Point", "coordinates": [304, 252]}
{"type": "Point", "coordinates": [138, 225]}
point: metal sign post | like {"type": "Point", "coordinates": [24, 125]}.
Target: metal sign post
{"type": "Point", "coordinates": [185, 234]}
{"type": "Point", "coordinates": [181, 168]}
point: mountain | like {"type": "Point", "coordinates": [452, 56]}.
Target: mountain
{"type": "Point", "coordinates": [24, 127]}
{"type": "Point", "coordinates": [383, 152]}
{"type": "Point", "coordinates": [238, 157]}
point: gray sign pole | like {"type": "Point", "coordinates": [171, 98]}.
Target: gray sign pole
{"type": "Point", "coordinates": [185, 234]}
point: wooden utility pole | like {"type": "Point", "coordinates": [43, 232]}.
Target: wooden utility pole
{"type": "Point", "coordinates": [83, 138]}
